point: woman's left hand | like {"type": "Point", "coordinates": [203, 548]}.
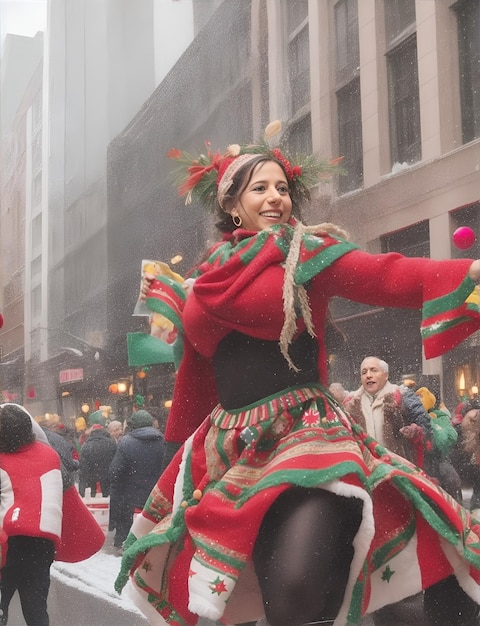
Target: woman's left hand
{"type": "Point", "coordinates": [474, 271]}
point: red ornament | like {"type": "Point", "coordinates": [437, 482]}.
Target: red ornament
{"type": "Point", "coordinates": [463, 238]}
{"type": "Point", "coordinates": [1, 320]}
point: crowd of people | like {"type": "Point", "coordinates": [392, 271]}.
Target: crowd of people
{"type": "Point", "coordinates": [121, 462]}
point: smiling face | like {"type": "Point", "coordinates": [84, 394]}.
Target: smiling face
{"type": "Point", "coordinates": [372, 375]}
{"type": "Point", "coordinates": [265, 200]}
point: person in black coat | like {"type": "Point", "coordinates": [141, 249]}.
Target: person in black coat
{"type": "Point", "coordinates": [134, 471]}
{"type": "Point", "coordinates": [96, 455]}
{"type": "Point", "coordinates": [64, 450]}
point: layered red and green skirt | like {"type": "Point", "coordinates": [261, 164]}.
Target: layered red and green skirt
{"type": "Point", "coordinates": [189, 552]}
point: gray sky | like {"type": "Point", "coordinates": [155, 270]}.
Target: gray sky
{"type": "Point", "coordinates": [22, 17]}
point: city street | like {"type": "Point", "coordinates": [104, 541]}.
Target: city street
{"type": "Point", "coordinates": [70, 606]}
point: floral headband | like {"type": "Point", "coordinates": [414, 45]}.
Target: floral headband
{"type": "Point", "coordinates": [208, 177]}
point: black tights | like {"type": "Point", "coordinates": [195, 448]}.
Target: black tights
{"type": "Point", "coordinates": [447, 603]}
{"type": "Point", "coordinates": [303, 553]}
{"type": "Point", "coordinates": [302, 559]}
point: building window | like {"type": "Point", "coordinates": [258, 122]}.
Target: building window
{"type": "Point", "coordinates": [403, 91]}
{"type": "Point", "coordinates": [37, 151]}
{"type": "Point", "coordinates": [36, 302]}
{"type": "Point", "coordinates": [347, 46]}
{"type": "Point", "coordinates": [37, 111]}
{"type": "Point", "coordinates": [350, 136]}
{"type": "Point", "coordinates": [298, 53]}
{"type": "Point", "coordinates": [399, 20]}
{"type": "Point", "coordinates": [37, 233]}
{"type": "Point", "coordinates": [297, 13]}
{"type": "Point", "coordinates": [300, 136]}
{"type": "Point", "coordinates": [468, 27]}
{"type": "Point", "coordinates": [37, 190]}
{"type": "Point", "coordinates": [413, 241]}
{"type": "Point", "coordinates": [349, 112]}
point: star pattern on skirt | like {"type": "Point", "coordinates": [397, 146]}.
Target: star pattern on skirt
{"type": "Point", "coordinates": [218, 586]}
{"type": "Point", "coordinates": [147, 566]}
{"type": "Point", "coordinates": [387, 573]}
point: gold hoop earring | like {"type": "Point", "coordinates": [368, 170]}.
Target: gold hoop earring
{"type": "Point", "coordinates": [237, 220]}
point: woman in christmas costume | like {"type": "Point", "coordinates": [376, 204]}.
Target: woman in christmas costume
{"type": "Point", "coordinates": [277, 504]}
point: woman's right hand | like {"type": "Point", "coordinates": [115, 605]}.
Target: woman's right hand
{"type": "Point", "coordinates": [146, 285]}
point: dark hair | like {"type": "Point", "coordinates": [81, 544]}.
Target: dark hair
{"type": "Point", "coordinates": [240, 181]}
{"type": "Point", "coordinates": [15, 428]}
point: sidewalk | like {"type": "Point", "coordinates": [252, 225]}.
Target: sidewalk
{"type": "Point", "coordinates": [85, 590]}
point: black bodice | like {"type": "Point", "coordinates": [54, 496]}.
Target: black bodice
{"type": "Point", "coordinates": [249, 369]}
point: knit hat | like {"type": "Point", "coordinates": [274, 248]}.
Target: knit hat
{"type": "Point", "coordinates": [16, 427]}
{"type": "Point", "coordinates": [427, 398]}
{"type": "Point", "coordinates": [97, 417]}
{"type": "Point", "coordinates": [140, 418]}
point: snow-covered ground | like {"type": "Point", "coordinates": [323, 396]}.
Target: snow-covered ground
{"type": "Point", "coordinates": [95, 576]}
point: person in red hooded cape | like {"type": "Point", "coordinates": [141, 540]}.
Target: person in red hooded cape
{"type": "Point", "coordinates": [33, 510]}
{"type": "Point", "coordinates": [277, 503]}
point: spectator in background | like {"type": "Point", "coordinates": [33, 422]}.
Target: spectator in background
{"type": "Point", "coordinates": [134, 471]}
{"type": "Point", "coordinates": [381, 408]}
{"type": "Point", "coordinates": [115, 428]}
{"type": "Point", "coordinates": [444, 437]}
{"type": "Point", "coordinates": [31, 514]}
{"type": "Point", "coordinates": [159, 418]}
{"type": "Point", "coordinates": [96, 455]}
{"type": "Point", "coordinates": [66, 450]}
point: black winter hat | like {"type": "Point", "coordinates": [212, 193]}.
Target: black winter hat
{"type": "Point", "coordinates": [15, 428]}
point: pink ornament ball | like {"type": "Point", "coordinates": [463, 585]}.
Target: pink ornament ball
{"type": "Point", "coordinates": [463, 238]}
